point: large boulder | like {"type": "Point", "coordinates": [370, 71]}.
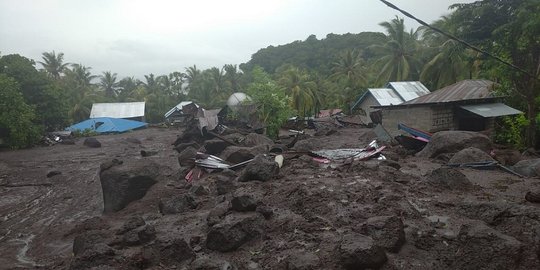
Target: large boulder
{"type": "Point", "coordinates": [254, 139]}
{"type": "Point", "coordinates": [167, 252]}
{"type": "Point", "coordinates": [187, 156]}
{"type": "Point", "coordinates": [206, 263]}
{"type": "Point", "coordinates": [449, 178]}
{"type": "Point", "coordinates": [470, 155]}
{"type": "Point", "coordinates": [243, 203]}
{"type": "Point", "coordinates": [215, 146]}
{"type": "Point", "coordinates": [92, 142]}
{"type": "Point", "coordinates": [481, 247]}
{"type": "Point", "coordinates": [386, 231]}
{"type": "Point", "coordinates": [358, 251]}
{"type": "Point", "coordinates": [234, 230]}
{"type": "Point", "coordinates": [302, 260]}
{"type": "Point", "coordinates": [237, 154]}
{"type": "Point", "coordinates": [262, 168]}
{"type": "Point", "coordinates": [528, 167]}
{"type": "Point", "coordinates": [127, 182]}
{"type": "Point", "coordinates": [177, 205]}
{"type": "Point", "coordinates": [454, 141]}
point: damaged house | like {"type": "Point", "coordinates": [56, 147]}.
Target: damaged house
{"type": "Point", "coordinates": [393, 93]}
{"type": "Point", "coordinates": [466, 105]}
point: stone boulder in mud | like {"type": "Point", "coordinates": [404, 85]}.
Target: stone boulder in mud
{"type": "Point", "coordinates": [358, 251]}
{"type": "Point", "coordinates": [262, 168]}
{"type": "Point", "coordinates": [481, 247]}
{"type": "Point", "coordinates": [127, 182]}
{"type": "Point", "coordinates": [237, 154]}
{"type": "Point", "coordinates": [254, 139]}
{"type": "Point", "coordinates": [234, 230]}
{"type": "Point", "coordinates": [470, 155]}
{"type": "Point", "coordinates": [528, 167]}
{"type": "Point", "coordinates": [449, 178]}
{"type": "Point", "coordinates": [92, 142]}
{"type": "Point", "coordinates": [205, 263]}
{"type": "Point", "coordinates": [176, 205]}
{"type": "Point", "coordinates": [167, 252]}
{"type": "Point", "coordinates": [386, 231]}
{"type": "Point", "coordinates": [187, 156]}
{"type": "Point", "coordinates": [302, 260]}
{"type": "Point", "coordinates": [454, 141]}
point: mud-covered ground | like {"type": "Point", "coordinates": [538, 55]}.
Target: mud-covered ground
{"type": "Point", "coordinates": [316, 216]}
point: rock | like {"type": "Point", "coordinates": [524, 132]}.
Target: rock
{"type": "Point", "coordinates": [386, 231]}
{"type": "Point", "coordinates": [182, 146]}
{"type": "Point", "coordinates": [528, 167]}
{"type": "Point", "coordinates": [90, 224]}
{"type": "Point", "coordinates": [533, 196]}
{"type": "Point", "coordinates": [205, 263]}
{"type": "Point", "coordinates": [358, 251]}
{"type": "Point", "coordinates": [304, 145]}
{"type": "Point", "coordinates": [130, 224]}
{"type": "Point", "coordinates": [148, 153]}
{"type": "Point", "coordinates": [187, 156]}
{"type": "Point", "coordinates": [449, 178]}
{"type": "Point", "coordinates": [215, 147]}
{"type": "Point", "coordinates": [302, 260]}
{"type": "Point", "coordinates": [507, 157]}
{"type": "Point", "coordinates": [470, 155]}
{"type": "Point", "coordinates": [453, 142]}
{"type": "Point", "coordinates": [133, 140]}
{"type": "Point", "coordinates": [217, 213]}
{"type": "Point", "coordinates": [125, 183]}
{"type": "Point", "coordinates": [224, 185]}
{"type": "Point", "coordinates": [167, 252]}
{"type": "Point", "coordinates": [254, 139]}
{"type": "Point", "coordinates": [139, 236]}
{"type": "Point", "coordinates": [262, 168]}
{"type": "Point", "coordinates": [199, 190]}
{"type": "Point", "coordinates": [266, 211]}
{"type": "Point", "coordinates": [53, 173]}
{"type": "Point", "coordinates": [237, 154]}
{"type": "Point", "coordinates": [87, 240]}
{"type": "Point", "coordinates": [92, 142]}
{"type": "Point", "coordinates": [243, 203]}
{"type": "Point", "coordinates": [177, 204]}
{"type": "Point", "coordinates": [325, 131]}
{"type": "Point", "coordinates": [481, 247]}
{"type": "Point", "coordinates": [278, 148]}
{"type": "Point", "coordinates": [96, 257]}
{"type": "Point", "coordinates": [235, 230]}
{"type": "Point", "coordinates": [109, 164]}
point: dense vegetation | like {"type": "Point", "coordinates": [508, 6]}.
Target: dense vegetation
{"type": "Point", "coordinates": [298, 78]}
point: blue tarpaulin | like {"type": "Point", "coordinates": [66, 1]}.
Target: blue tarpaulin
{"type": "Point", "coordinates": [107, 125]}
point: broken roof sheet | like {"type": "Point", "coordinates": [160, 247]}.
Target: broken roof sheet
{"type": "Point", "coordinates": [118, 110]}
{"type": "Point", "coordinates": [463, 90]}
{"type": "Point", "coordinates": [178, 108]}
{"type": "Point", "coordinates": [491, 109]}
{"type": "Point", "coordinates": [409, 90]}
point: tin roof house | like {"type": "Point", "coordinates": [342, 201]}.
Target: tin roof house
{"type": "Point", "coordinates": [466, 105]}
{"type": "Point", "coordinates": [393, 93]}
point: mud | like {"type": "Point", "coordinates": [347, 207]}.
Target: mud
{"type": "Point", "coordinates": [307, 216]}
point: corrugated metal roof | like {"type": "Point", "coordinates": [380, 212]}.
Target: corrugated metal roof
{"type": "Point", "coordinates": [385, 96]}
{"type": "Point", "coordinates": [463, 90]}
{"type": "Point", "coordinates": [491, 109]}
{"type": "Point", "coordinates": [118, 110]}
{"type": "Point", "coordinates": [177, 108]}
{"type": "Point", "coordinates": [409, 90]}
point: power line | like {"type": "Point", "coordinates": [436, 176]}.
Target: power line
{"type": "Point", "coordinates": [457, 39]}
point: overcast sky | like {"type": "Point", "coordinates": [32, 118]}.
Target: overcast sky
{"type": "Point", "coordinates": [137, 37]}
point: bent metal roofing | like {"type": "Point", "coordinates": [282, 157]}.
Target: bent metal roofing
{"type": "Point", "coordinates": [118, 110]}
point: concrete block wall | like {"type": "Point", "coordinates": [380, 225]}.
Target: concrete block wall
{"type": "Point", "coordinates": [418, 117]}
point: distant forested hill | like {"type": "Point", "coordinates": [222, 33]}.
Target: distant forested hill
{"type": "Point", "coordinates": [314, 54]}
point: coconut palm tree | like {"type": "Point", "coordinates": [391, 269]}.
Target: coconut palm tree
{"type": "Point", "coordinates": [349, 67]}
{"type": "Point", "coordinates": [53, 64]}
{"type": "Point", "coordinates": [108, 84]}
{"type": "Point", "coordinates": [399, 59]}
{"type": "Point", "coordinates": [302, 90]}
{"type": "Point", "coordinates": [232, 77]}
